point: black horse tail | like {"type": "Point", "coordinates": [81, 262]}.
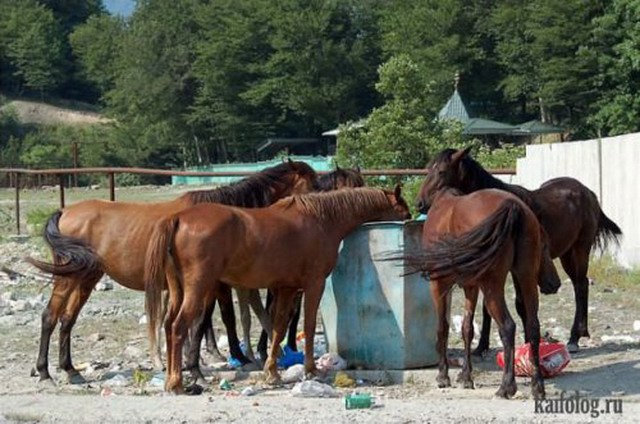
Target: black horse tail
{"type": "Point", "coordinates": [71, 256]}
{"type": "Point", "coordinates": [475, 251]}
{"type": "Point", "coordinates": [608, 232]}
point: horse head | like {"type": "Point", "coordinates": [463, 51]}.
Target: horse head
{"type": "Point", "coordinates": [341, 178]}
{"type": "Point", "coordinates": [299, 179]}
{"type": "Point", "coordinates": [400, 208]}
{"type": "Point", "coordinates": [445, 171]}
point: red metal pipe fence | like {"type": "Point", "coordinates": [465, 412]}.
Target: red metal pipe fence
{"type": "Point", "coordinates": [62, 173]}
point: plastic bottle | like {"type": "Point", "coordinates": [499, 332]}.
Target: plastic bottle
{"type": "Point", "coordinates": [358, 401]}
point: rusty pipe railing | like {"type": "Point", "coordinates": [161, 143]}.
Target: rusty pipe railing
{"type": "Point", "coordinates": [111, 172]}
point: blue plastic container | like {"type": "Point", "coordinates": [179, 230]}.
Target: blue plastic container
{"type": "Point", "coordinates": [374, 317]}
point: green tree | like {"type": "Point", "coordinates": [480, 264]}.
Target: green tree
{"type": "Point", "coordinates": [402, 133]}
{"type": "Point", "coordinates": [616, 44]}
{"type": "Point", "coordinates": [96, 43]}
{"type": "Point", "coordinates": [153, 84]}
{"type": "Point", "coordinates": [33, 46]}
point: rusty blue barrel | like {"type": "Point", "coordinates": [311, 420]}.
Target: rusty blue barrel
{"type": "Point", "coordinates": [374, 316]}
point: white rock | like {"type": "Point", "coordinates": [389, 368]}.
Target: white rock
{"type": "Point", "coordinates": [293, 374]}
{"type": "Point", "coordinates": [223, 342]}
{"type": "Point", "coordinates": [636, 325]}
{"type": "Point", "coordinates": [7, 297]}
{"type": "Point", "coordinates": [104, 285]}
{"type": "Point", "coordinates": [20, 305]}
{"type": "Point", "coordinates": [143, 320]}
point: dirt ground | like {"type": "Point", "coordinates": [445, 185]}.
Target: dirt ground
{"type": "Point", "coordinates": [109, 345]}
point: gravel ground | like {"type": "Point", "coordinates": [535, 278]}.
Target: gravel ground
{"type": "Point", "coordinates": [109, 346]}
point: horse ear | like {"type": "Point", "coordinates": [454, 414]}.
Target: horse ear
{"type": "Point", "coordinates": [458, 155]}
{"type": "Point", "coordinates": [398, 191]}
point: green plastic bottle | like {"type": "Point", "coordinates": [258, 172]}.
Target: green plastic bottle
{"type": "Point", "coordinates": [358, 401]}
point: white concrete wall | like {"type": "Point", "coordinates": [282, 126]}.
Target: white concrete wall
{"type": "Point", "coordinates": [608, 167]}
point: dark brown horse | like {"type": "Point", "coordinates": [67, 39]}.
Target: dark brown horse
{"type": "Point", "coordinates": [94, 237]}
{"type": "Point", "coordinates": [289, 246]}
{"type": "Point", "coordinates": [568, 211]}
{"type": "Point", "coordinates": [475, 240]}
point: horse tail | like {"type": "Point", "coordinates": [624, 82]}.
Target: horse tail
{"type": "Point", "coordinates": [70, 255]}
{"type": "Point", "coordinates": [608, 232]}
{"type": "Point", "coordinates": [154, 273]}
{"type": "Point", "coordinates": [475, 251]}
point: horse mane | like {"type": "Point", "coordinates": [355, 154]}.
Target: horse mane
{"type": "Point", "coordinates": [254, 191]}
{"type": "Point", "coordinates": [475, 177]}
{"type": "Point", "coordinates": [331, 207]}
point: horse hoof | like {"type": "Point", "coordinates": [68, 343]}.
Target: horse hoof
{"type": "Point", "coordinates": [47, 383]}
{"type": "Point", "coordinates": [507, 392]}
{"type": "Point", "coordinates": [273, 379]}
{"type": "Point", "coordinates": [479, 352]}
{"type": "Point", "coordinates": [572, 347]}
{"type": "Point", "coordinates": [443, 382]}
{"type": "Point", "coordinates": [194, 389]}
{"type": "Point", "coordinates": [76, 378]}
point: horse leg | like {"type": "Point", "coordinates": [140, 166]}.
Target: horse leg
{"type": "Point", "coordinates": [497, 307]}
{"type": "Point", "coordinates": [440, 295]}
{"type": "Point", "coordinates": [193, 354]}
{"type": "Point", "coordinates": [75, 302]}
{"type": "Point", "coordinates": [293, 324]}
{"type": "Point", "coordinates": [225, 300]}
{"type": "Point", "coordinates": [471, 298]}
{"type": "Point", "coordinates": [485, 332]}
{"type": "Point", "coordinates": [62, 288]}
{"type": "Point", "coordinates": [527, 290]}
{"type": "Point", "coordinates": [283, 303]}
{"type": "Point", "coordinates": [262, 343]}
{"type": "Point", "coordinates": [192, 308]}
{"type": "Point", "coordinates": [312, 297]}
{"type": "Point", "coordinates": [209, 336]}
{"type": "Point", "coordinates": [175, 301]}
{"type": "Point", "coordinates": [245, 319]}
{"type": "Point", "coordinates": [520, 307]}
{"type": "Point", "coordinates": [576, 263]}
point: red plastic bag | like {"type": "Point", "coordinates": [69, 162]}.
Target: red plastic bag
{"type": "Point", "coordinates": [554, 357]}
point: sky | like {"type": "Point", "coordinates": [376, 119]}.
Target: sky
{"type": "Point", "coordinates": [120, 7]}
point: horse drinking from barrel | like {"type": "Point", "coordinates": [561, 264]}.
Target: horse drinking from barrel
{"type": "Point", "coordinates": [289, 246]}
{"type": "Point", "coordinates": [568, 211]}
{"type": "Point", "coordinates": [475, 240]}
{"type": "Point", "coordinates": [337, 179]}
{"type": "Point", "coordinates": [94, 237]}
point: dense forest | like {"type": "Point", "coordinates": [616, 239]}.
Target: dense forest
{"type": "Point", "coordinates": [201, 81]}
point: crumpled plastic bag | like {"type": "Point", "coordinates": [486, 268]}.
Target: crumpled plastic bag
{"type": "Point", "coordinates": [331, 361]}
{"type": "Point", "coordinates": [554, 357]}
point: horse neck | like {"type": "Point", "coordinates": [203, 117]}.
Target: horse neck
{"type": "Point", "coordinates": [477, 178]}
{"type": "Point", "coordinates": [341, 224]}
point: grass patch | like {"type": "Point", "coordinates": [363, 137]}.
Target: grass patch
{"type": "Point", "coordinates": [605, 270]}
{"type": "Point", "coordinates": [37, 218]}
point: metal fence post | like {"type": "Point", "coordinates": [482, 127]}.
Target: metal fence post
{"type": "Point", "coordinates": [112, 187]}
{"type": "Point", "coordinates": [61, 191]}
{"type": "Point", "coordinates": [17, 181]}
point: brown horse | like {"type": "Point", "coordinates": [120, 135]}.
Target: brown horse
{"type": "Point", "coordinates": [94, 237]}
{"type": "Point", "coordinates": [475, 240]}
{"type": "Point", "coordinates": [289, 246]}
{"type": "Point", "coordinates": [340, 178]}
{"type": "Point", "coordinates": [568, 211]}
